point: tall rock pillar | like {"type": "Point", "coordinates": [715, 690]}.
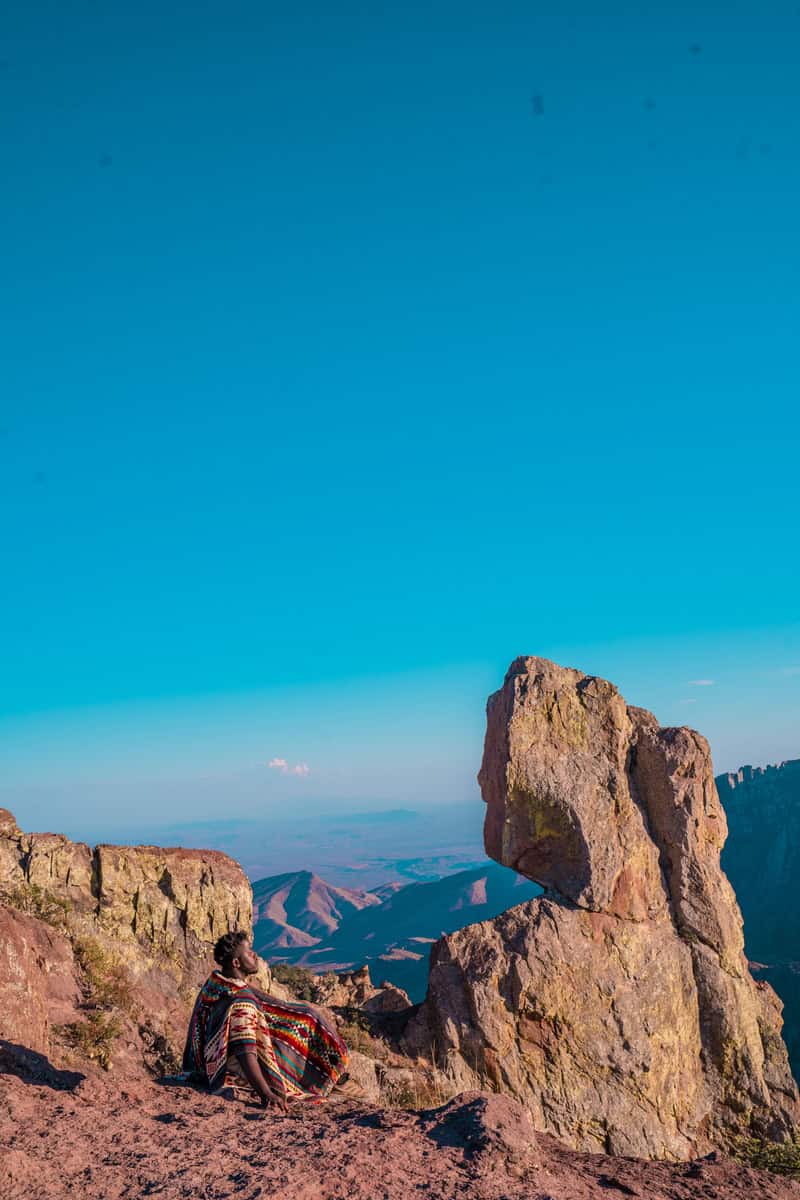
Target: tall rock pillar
{"type": "Point", "coordinates": [618, 1006]}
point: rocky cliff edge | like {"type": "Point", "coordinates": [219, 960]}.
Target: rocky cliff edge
{"type": "Point", "coordinates": [102, 948]}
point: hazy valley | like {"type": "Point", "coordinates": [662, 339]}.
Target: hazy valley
{"type": "Point", "coordinates": [300, 919]}
{"type": "Point", "coordinates": [312, 918]}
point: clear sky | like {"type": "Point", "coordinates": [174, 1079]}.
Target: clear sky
{"type": "Point", "coordinates": [349, 351]}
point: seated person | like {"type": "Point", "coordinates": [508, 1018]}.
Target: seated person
{"type": "Point", "coordinates": [284, 1050]}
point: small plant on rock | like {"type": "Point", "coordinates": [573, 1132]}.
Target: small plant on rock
{"type": "Point", "coordinates": [106, 978]}
{"type": "Point", "coordinates": [106, 995]}
{"type": "Point", "coordinates": [160, 1055]}
{"type": "Point", "coordinates": [782, 1158]}
{"type": "Point", "coordinates": [298, 980]}
{"type": "Point", "coordinates": [355, 1031]}
{"type": "Point", "coordinates": [94, 1037]}
{"type": "Point", "coordinates": [35, 901]}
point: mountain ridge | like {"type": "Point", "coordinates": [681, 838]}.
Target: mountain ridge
{"type": "Point", "coordinates": [391, 928]}
{"type": "Point", "coordinates": [299, 908]}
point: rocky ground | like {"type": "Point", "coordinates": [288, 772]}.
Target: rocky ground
{"type": "Point", "coordinates": [65, 1134]}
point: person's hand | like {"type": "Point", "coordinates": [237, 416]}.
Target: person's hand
{"type": "Point", "coordinates": [274, 1099]}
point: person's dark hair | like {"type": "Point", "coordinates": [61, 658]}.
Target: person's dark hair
{"type": "Point", "coordinates": [227, 947]}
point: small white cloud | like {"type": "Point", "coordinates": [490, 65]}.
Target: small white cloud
{"type": "Point", "coordinates": [701, 683]}
{"type": "Point", "coordinates": [689, 701]}
{"type": "Point", "coordinates": [280, 764]}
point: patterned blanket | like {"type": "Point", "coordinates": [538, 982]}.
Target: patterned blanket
{"type": "Point", "coordinates": [299, 1052]}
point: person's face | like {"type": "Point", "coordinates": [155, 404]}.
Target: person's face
{"type": "Point", "coordinates": [246, 959]}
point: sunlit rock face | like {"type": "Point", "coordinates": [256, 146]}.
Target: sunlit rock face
{"type": "Point", "coordinates": [619, 1006]}
{"type": "Point", "coordinates": [40, 985]}
{"type": "Point", "coordinates": [562, 806]}
{"type": "Point", "coordinates": [168, 900]}
{"type": "Point", "coordinates": [146, 915]}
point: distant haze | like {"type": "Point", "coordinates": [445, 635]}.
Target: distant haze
{"type": "Point", "coordinates": [354, 850]}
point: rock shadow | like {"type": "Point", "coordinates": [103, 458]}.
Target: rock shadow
{"type": "Point", "coordinates": [35, 1068]}
{"type": "Point", "coordinates": [181, 1080]}
{"type": "Point", "coordinates": [481, 1122]}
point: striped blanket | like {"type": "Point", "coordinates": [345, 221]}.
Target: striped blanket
{"type": "Point", "coordinates": [300, 1054]}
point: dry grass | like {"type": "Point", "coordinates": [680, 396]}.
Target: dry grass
{"type": "Point", "coordinates": [106, 980]}
{"type": "Point", "coordinates": [161, 1057]}
{"type": "Point", "coordinates": [106, 996]}
{"type": "Point", "coordinates": [403, 1082]}
{"type": "Point", "coordinates": [355, 1031]}
{"type": "Point", "coordinates": [425, 1089]}
{"type": "Point", "coordinates": [36, 902]}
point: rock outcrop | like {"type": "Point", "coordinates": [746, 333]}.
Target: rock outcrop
{"type": "Point", "coordinates": [75, 917]}
{"type": "Point", "coordinates": [619, 1006]}
{"type": "Point", "coordinates": [355, 989]}
{"type": "Point", "coordinates": [40, 983]}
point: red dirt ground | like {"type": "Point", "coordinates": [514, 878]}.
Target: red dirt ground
{"type": "Point", "coordinates": [63, 1135]}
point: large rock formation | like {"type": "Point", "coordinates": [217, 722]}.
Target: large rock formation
{"type": "Point", "coordinates": [619, 1006]}
{"type": "Point", "coordinates": [76, 919]}
{"type": "Point", "coordinates": [40, 984]}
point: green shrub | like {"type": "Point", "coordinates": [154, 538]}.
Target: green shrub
{"type": "Point", "coordinates": [298, 980]}
{"type": "Point", "coordinates": [106, 978]}
{"type": "Point", "coordinates": [93, 1037]}
{"type": "Point", "coordinates": [782, 1158]}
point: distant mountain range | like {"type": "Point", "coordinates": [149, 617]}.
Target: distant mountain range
{"type": "Point", "coordinates": [352, 850]}
{"type": "Point", "coordinates": [301, 919]}
{"type": "Point", "coordinates": [300, 909]}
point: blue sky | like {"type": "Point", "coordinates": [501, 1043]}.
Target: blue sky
{"type": "Point", "coordinates": [350, 351]}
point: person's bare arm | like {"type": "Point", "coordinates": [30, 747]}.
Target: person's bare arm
{"type": "Point", "coordinates": [248, 1060]}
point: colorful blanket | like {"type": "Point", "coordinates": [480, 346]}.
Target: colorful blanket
{"type": "Point", "coordinates": [300, 1054]}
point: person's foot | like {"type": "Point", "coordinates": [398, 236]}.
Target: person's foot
{"type": "Point", "coordinates": [348, 1089]}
